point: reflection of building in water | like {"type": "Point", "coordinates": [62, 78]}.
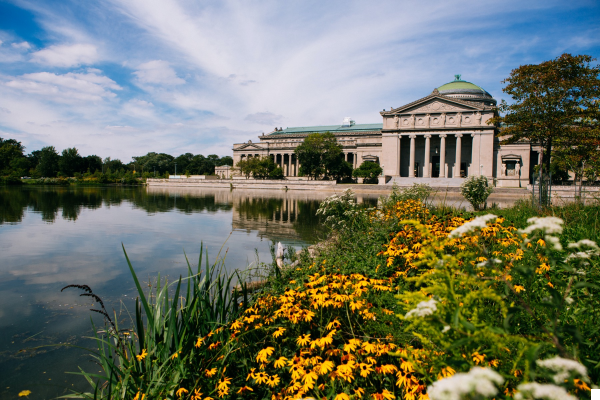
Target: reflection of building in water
{"type": "Point", "coordinates": [275, 215]}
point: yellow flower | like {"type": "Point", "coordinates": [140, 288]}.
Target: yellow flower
{"type": "Point", "coordinates": [278, 332]}
{"type": "Point", "coordinates": [519, 288]}
{"type": "Point", "coordinates": [280, 363]}
{"type": "Point", "coordinates": [24, 393]}
{"type": "Point", "coordinates": [551, 285]}
{"type": "Point", "coordinates": [223, 386]}
{"type": "Point", "coordinates": [365, 369]}
{"type": "Point", "coordinates": [264, 354]}
{"type": "Point", "coordinates": [581, 385]}
{"type": "Point", "coordinates": [197, 395]}
{"type": "Point", "coordinates": [388, 369]}
{"type": "Point", "coordinates": [142, 356]}
{"type": "Point", "coordinates": [478, 358]}
{"type": "Point", "coordinates": [210, 372]}
{"type": "Point", "coordinates": [244, 389]}
{"type": "Point", "coordinates": [199, 342]}
{"type": "Point", "coordinates": [181, 392]}
{"type": "Point", "coordinates": [359, 392]}
{"type": "Point", "coordinates": [303, 340]}
{"type": "Point", "coordinates": [273, 380]}
{"type": "Point", "coordinates": [138, 397]}
{"type": "Point", "coordinates": [541, 242]}
{"type": "Point", "coordinates": [342, 396]}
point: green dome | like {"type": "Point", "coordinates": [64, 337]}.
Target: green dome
{"type": "Point", "coordinates": [466, 90]}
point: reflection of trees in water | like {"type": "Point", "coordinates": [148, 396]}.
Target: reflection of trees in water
{"type": "Point", "coordinates": [70, 201]}
{"type": "Point", "coordinates": [308, 224]}
{"type": "Point", "coordinates": [156, 203]}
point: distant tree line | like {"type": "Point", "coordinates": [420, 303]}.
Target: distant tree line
{"type": "Point", "coordinates": [49, 163]}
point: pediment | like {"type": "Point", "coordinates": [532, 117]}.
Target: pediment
{"type": "Point", "coordinates": [437, 104]}
{"type": "Point", "coordinates": [250, 146]}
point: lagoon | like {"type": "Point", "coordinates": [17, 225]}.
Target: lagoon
{"type": "Point", "coordinates": [51, 237]}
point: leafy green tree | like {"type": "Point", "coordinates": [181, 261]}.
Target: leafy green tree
{"type": "Point", "coordinates": [113, 165]}
{"type": "Point", "coordinates": [11, 154]}
{"type": "Point", "coordinates": [160, 161]}
{"type": "Point", "coordinates": [48, 162]}
{"type": "Point", "coordinates": [368, 170]}
{"type": "Point", "coordinates": [70, 162]}
{"type": "Point", "coordinates": [321, 155]}
{"type": "Point", "coordinates": [265, 168]}
{"type": "Point", "coordinates": [247, 166]}
{"type": "Point", "coordinates": [555, 103]}
{"type": "Point", "coordinates": [226, 160]}
{"type": "Point", "coordinates": [92, 163]}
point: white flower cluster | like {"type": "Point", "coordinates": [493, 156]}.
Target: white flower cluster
{"type": "Point", "coordinates": [423, 308]}
{"type": "Point", "coordinates": [563, 368]}
{"type": "Point", "coordinates": [547, 224]}
{"type": "Point", "coordinates": [489, 262]}
{"type": "Point", "coordinates": [479, 381]}
{"type": "Point", "coordinates": [545, 391]}
{"type": "Point", "coordinates": [479, 222]}
{"type": "Point", "coordinates": [592, 249]}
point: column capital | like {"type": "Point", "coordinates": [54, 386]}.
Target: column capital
{"type": "Point", "coordinates": [427, 136]}
{"type": "Point", "coordinates": [412, 136]}
{"type": "Point", "coordinates": [443, 135]}
{"type": "Point", "coordinates": [459, 135]}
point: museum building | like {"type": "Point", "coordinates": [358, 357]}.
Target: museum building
{"type": "Point", "coordinates": [439, 139]}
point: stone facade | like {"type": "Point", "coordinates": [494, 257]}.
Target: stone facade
{"type": "Point", "coordinates": [439, 139]}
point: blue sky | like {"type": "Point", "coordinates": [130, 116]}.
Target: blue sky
{"type": "Point", "coordinates": [120, 78]}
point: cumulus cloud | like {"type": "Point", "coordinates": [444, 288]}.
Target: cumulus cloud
{"type": "Point", "coordinates": [66, 55]}
{"type": "Point", "coordinates": [88, 86]}
{"type": "Point", "coordinates": [157, 72]}
{"type": "Point", "coordinates": [264, 118]}
{"type": "Point", "coordinates": [22, 45]}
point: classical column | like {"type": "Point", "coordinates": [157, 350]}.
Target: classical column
{"type": "Point", "coordinates": [285, 165]}
{"type": "Point", "coordinates": [458, 155]}
{"type": "Point", "coordinates": [411, 160]}
{"type": "Point", "coordinates": [426, 173]}
{"type": "Point", "coordinates": [443, 156]}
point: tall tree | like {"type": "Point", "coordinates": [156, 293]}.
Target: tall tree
{"type": "Point", "coordinates": [555, 104]}
{"type": "Point", "coordinates": [70, 162]}
{"type": "Point", "coordinates": [48, 162]}
{"type": "Point", "coordinates": [320, 154]}
{"type": "Point", "coordinates": [11, 153]}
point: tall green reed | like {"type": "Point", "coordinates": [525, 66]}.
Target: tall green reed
{"type": "Point", "coordinates": [154, 358]}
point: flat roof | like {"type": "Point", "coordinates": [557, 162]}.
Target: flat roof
{"type": "Point", "coordinates": [329, 128]}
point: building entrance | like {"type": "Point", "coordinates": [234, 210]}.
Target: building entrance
{"type": "Point", "coordinates": [435, 171]}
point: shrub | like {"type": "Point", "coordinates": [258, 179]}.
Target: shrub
{"type": "Point", "coordinates": [368, 170]}
{"type": "Point", "coordinates": [476, 190]}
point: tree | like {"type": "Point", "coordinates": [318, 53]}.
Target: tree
{"type": "Point", "coordinates": [320, 154]}
{"type": "Point", "coordinates": [555, 104]}
{"type": "Point", "coordinates": [369, 170]}
{"type": "Point", "coordinates": [48, 164]}
{"type": "Point", "coordinates": [11, 153]}
{"type": "Point", "coordinates": [265, 168]}
{"type": "Point", "coordinates": [70, 162]}
{"type": "Point", "coordinates": [92, 163]}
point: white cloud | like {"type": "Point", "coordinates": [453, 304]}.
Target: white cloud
{"type": "Point", "coordinates": [70, 87]}
{"type": "Point", "coordinates": [263, 118]}
{"type": "Point", "coordinates": [66, 55]}
{"type": "Point", "coordinates": [157, 72]}
{"type": "Point", "coordinates": [22, 45]}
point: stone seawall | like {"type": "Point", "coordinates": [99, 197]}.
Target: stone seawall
{"type": "Point", "coordinates": [245, 184]}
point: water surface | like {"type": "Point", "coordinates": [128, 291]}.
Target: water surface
{"type": "Point", "coordinates": [54, 236]}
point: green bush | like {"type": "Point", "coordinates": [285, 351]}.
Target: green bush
{"type": "Point", "coordinates": [368, 170]}
{"type": "Point", "coordinates": [476, 190]}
